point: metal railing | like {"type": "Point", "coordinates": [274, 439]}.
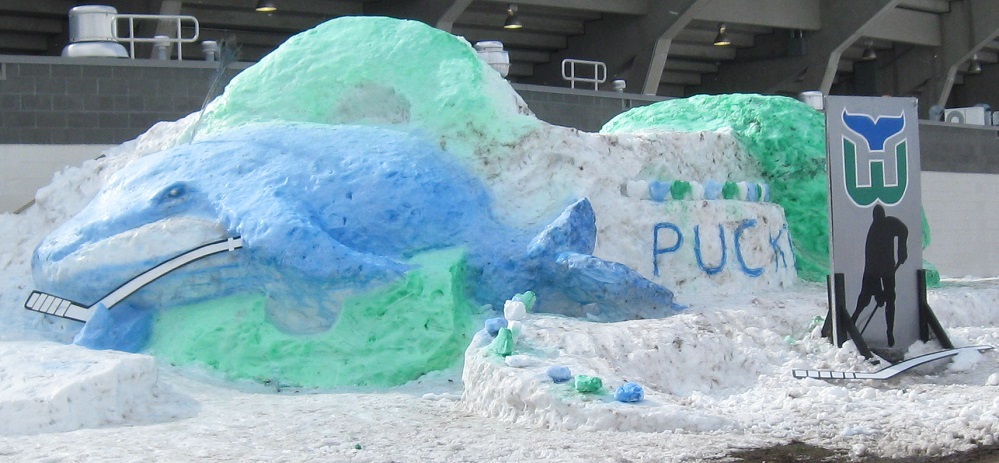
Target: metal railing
{"type": "Point", "coordinates": [178, 20]}
{"type": "Point", "coordinates": [599, 72]}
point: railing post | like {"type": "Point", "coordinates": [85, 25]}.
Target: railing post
{"type": "Point", "coordinates": [179, 39]}
{"type": "Point", "coordinates": [599, 72]}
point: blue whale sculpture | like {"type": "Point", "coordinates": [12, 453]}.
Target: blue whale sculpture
{"type": "Point", "coordinates": [323, 211]}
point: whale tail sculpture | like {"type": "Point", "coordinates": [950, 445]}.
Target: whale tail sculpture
{"type": "Point", "coordinates": [590, 286]}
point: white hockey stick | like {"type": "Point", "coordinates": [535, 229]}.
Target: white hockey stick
{"type": "Point", "coordinates": [889, 371]}
{"type": "Point", "coordinates": [65, 308]}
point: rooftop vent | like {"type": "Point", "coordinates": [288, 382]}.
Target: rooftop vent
{"type": "Point", "coordinates": [91, 33]}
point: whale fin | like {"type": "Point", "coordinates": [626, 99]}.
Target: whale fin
{"type": "Point", "coordinates": [620, 292]}
{"type": "Point", "coordinates": [563, 252]}
{"type": "Point", "coordinates": [302, 245]}
{"type": "Point", "coordinates": [575, 230]}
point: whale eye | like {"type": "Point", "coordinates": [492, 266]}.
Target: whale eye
{"type": "Point", "coordinates": [172, 192]}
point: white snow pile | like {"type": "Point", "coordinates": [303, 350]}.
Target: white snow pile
{"type": "Point", "coordinates": [715, 378]}
{"type": "Point", "coordinates": [49, 387]}
{"type": "Point", "coordinates": [724, 368]}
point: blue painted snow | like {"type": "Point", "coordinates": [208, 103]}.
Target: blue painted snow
{"type": "Point", "coordinates": [324, 211]}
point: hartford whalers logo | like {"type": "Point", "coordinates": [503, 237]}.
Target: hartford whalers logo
{"type": "Point", "coordinates": [868, 180]}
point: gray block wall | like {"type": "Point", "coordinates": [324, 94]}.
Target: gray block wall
{"type": "Point", "coordinates": [51, 100]}
{"type": "Point", "coordinates": [949, 148]}
{"type": "Point", "coordinates": [95, 100]}
{"type": "Point", "coordinates": [582, 109]}
{"type": "Point", "coordinates": [108, 101]}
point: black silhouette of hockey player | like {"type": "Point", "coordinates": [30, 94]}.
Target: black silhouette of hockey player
{"type": "Point", "coordinates": [880, 265]}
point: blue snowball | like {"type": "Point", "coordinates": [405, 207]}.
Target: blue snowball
{"type": "Point", "coordinates": [493, 325]}
{"type": "Point", "coordinates": [629, 392]}
{"type": "Point", "coordinates": [658, 191]}
{"type": "Point", "coordinates": [752, 193]}
{"type": "Point", "coordinates": [713, 189]}
{"type": "Point", "coordinates": [559, 373]}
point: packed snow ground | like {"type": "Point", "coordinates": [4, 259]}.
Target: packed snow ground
{"type": "Point", "coordinates": [717, 378]}
{"type": "Point", "coordinates": [728, 387]}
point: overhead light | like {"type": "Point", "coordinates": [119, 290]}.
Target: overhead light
{"type": "Point", "coordinates": [512, 19]}
{"type": "Point", "coordinates": [722, 38]}
{"type": "Point", "coordinates": [976, 66]}
{"type": "Point", "coordinates": [266, 6]}
{"type": "Point", "coordinates": [869, 53]}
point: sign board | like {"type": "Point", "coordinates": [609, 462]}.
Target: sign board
{"type": "Point", "coordinates": [876, 216]}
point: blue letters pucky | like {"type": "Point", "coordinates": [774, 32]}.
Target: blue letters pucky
{"type": "Point", "coordinates": [779, 258]}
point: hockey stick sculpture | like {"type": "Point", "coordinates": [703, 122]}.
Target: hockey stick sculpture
{"type": "Point", "coordinates": [54, 305]}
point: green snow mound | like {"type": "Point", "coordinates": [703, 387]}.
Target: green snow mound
{"type": "Point", "coordinates": [377, 71]}
{"type": "Point", "coordinates": [382, 338]}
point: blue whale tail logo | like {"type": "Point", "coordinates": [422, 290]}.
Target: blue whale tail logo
{"type": "Point", "coordinates": [874, 131]}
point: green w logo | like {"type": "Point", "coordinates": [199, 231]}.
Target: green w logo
{"type": "Point", "coordinates": [865, 195]}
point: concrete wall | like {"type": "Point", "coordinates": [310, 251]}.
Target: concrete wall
{"type": "Point", "coordinates": [26, 168]}
{"type": "Point", "coordinates": [49, 100]}
{"type": "Point", "coordinates": [585, 110]}
{"type": "Point", "coordinates": [958, 148]}
{"type": "Point", "coordinates": [963, 213]}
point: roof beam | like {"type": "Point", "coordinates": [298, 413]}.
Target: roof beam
{"type": "Point", "coordinates": [493, 20]}
{"type": "Point", "coordinates": [787, 14]}
{"type": "Point", "coordinates": [14, 41]}
{"type": "Point", "coordinates": [907, 26]}
{"type": "Point", "coordinates": [623, 42]}
{"type": "Point", "coordinates": [649, 63]}
{"type": "Point", "coordinates": [324, 8]}
{"type": "Point", "coordinates": [248, 19]}
{"type": "Point", "coordinates": [929, 6]}
{"type": "Point", "coordinates": [516, 39]}
{"type": "Point", "coordinates": [624, 7]}
{"type": "Point", "coordinates": [702, 67]}
{"type": "Point", "coordinates": [971, 26]}
{"type": "Point", "coordinates": [438, 13]}
{"type": "Point", "coordinates": [22, 24]}
{"type": "Point", "coordinates": [39, 7]}
{"type": "Point", "coordinates": [846, 21]}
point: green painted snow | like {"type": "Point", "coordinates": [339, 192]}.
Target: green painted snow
{"type": "Point", "coordinates": [377, 71]}
{"type": "Point", "coordinates": [384, 338]}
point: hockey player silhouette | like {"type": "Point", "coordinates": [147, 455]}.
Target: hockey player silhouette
{"type": "Point", "coordinates": [880, 265]}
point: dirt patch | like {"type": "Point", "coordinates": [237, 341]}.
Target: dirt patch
{"type": "Point", "coordinates": [800, 452]}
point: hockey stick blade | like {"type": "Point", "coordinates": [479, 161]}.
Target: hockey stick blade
{"type": "Point", "coordinates": [54, 305]}
{"type": "Point", "coordinates": [889, 371]}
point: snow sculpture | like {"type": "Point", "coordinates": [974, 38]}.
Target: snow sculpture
{"type": "Point", "coordinates": [290, 158]}
{"type": "Point", "coordinates": [324, 212]}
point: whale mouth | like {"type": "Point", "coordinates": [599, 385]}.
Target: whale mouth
{"type": "Point", "coordinates": [155, 241]}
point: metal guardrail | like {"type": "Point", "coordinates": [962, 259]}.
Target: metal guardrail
{"type": "Point", "coordinates": [599, 72]}
{"type": "Point", "coordinates": [178, 20]}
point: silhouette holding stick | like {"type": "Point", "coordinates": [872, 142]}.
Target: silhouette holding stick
{"type": "Point", "coordinates": [880, 265]}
